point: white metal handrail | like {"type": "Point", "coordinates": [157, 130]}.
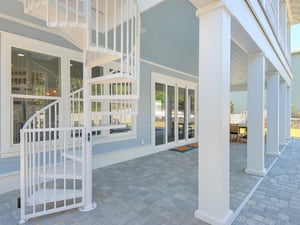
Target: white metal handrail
{"type": "Point", "coordinates": [52, 171]}
{"type": "Point", "coordinates": [52, 159]}
{"type": "Point", "coordinates": [48, 117]}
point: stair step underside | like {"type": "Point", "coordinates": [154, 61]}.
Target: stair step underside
{"type": "Point", "coordinates": [62, 171]}
{"type": "Point", "coordinates": [113, 78]}
{"type": "Point", "coordinates": [98, 55]}
{"type": "Point", "coordinates": [53, 195]}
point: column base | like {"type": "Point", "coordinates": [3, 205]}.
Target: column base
{"type": "Point", "coordinates": [274, 153]}
{"type": "Point", "coordinates": [22, 221]}
{"type": "Point", "coordinates": [256, 172]}
{"type": "Point", "coordinates": [226, 220]}
{"type": "Point", "coordinates": [88, 208]}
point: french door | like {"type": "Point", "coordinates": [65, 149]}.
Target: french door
{"type": "Point", "coordinates": [174, 109]}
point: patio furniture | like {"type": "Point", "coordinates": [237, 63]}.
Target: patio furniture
{"type": "Point", "coordinates": [234, 133]}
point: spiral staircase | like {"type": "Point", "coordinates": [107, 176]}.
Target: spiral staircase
{"type": "Point", "coordinates": [56, 148]}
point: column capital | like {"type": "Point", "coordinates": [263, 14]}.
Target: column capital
{"type": "Point", "coordinates": [209, 6]}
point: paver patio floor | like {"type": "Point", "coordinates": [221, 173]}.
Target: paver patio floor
{"type": "Point", "coordinates": [161, 188]}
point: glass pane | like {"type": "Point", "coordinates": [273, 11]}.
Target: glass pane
{"type": "Point", "coordinates": [76, 70]}
{"type": "Point", "coordinates": [191, 113]}
{"type": "Point", "coordinates": [160, 114]}
{"type": "Point", "coordinates": [34, 73]}
{"type": "Point", "coordinates": [23, 109]}
{"type": "Point", "coordinates": [97, 71]}
{"type": "Point", "coordinates": [181, 113]}
{"type": "Point", "coordinates": [171, 113]}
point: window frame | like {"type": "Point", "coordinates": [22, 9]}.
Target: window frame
{"type": "Point", "coordinates": [9, 41]}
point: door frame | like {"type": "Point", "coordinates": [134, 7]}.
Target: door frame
{"type": "Point", "coordinates": [176, 82]}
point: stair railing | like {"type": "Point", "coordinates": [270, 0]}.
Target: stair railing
{"type": "Point", "coordinates": [53, 157]}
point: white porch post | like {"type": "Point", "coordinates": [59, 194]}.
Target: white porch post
{"type": "Point", "coordinates": [214, 107]}
{"type": "Point", "coordinates": [255, 142]}
{"type": "Point", "coordinates": [288, 113]}
{"type": "Point", "coordinates": [88, 179]}
{"type": "Point", "coordinates": [282, 114]}
{"type": "Point", "coordinates": [273, 114]}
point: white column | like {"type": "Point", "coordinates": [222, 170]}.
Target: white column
{"type": "Point", "coordinates": [214, 107]}
{"type": "Point", "coordinates": [282, 113]}
{"type": "Point", "coordinates": [255, 138]}
{"type": "Point", "coordinates": [288, 114]}
{"type": "Point", "coordinates": [273, 114]}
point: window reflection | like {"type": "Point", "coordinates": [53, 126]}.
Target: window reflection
{"type": "Point", "coordinates": [76, 69]}
{"type": "Point", "coordinates": [160, 114]}
{"type": "Point", "coordinates": [35, 76]}
{"type": "Point", "coordinates": [34, 73]}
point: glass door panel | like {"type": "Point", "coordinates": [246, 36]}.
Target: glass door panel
{"type": "Point", "coordinates": [160, 114]}
{"type": "Point", "coordinates": [171, 113]}
{"type": "Point", "coordinates": [181, 113]}
{"type": "Point", "coordinates": [191, 116]}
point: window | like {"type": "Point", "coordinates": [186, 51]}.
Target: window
{"type": "Point", "coordinates": [76, 79]}
{"type": "Point", "coordinates": [35, 82]}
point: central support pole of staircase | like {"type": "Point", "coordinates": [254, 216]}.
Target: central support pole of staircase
{"type": "Point", "coordinates": [89, 205]}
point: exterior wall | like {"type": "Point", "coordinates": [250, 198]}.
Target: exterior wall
{"type": "Point", "coordinates": [116, 151]}
{"type": "Point", "coordinates": [161, 54]}
{"type": "Point", "coordinates": [170, 36]}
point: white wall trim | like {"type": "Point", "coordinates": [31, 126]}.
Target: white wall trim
{"type": "Point", "coordinates": [25, 23]}
{"type": "Point", "coordinates": [170, 69]}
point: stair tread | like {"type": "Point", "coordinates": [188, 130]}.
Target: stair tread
{"type": "Point", "coordinates": [61, 172]}
{"type": "Point", "coordinates": [77, 157]}
{"type": "Point", "coordinates": [53, 195]}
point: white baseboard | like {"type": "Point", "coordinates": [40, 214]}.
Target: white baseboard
{"type": "Point", "coordinates": [9, 182]}
{"type": "Point", "coordinates": [256, 172]}
{"type": "Point", "coordinates": [107, 159]}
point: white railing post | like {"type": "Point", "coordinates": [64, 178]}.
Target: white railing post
{"type": "Point", "coordinates": [88, 204]}
{"type": "Point", "coordinates": [22, 178]}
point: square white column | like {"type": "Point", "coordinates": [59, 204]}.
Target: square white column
{"type": "Point", "coordinates": [214, 108]}
{"type": "Point", "coordinates": [282, 113]}
{"type": "Point", "coordinates": [255, 135]}
{"type": "Point", "coordinates": [288, 114]}
{"type": "Point", "coordinates": [273, 114]}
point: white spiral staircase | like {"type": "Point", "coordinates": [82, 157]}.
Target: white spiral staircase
{"type": "Point", "coordinates": [56, 149]}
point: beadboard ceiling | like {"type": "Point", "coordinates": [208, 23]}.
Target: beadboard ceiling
{"type": "Point", "coordinates": [293, 11]}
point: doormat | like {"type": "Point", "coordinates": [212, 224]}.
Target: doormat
{"type": "Point", "coordinates": [193, 145]}
{"type": "Point", "coordinates": [181, 149]}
